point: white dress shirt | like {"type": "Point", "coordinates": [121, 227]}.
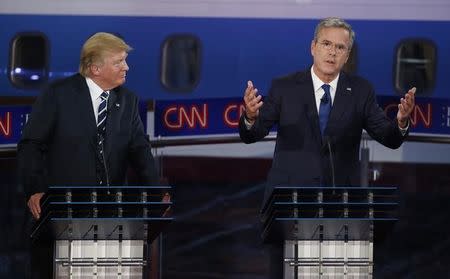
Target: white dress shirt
{"type": "Point", "coordinates": [95, 92]}
{"type": "Point", "coordinates": [318, 90]}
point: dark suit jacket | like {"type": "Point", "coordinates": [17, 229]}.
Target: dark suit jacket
{"type": "Point", "coordinates": [58, 144]}
{"type": "Point", "coordinates": [301, 155]}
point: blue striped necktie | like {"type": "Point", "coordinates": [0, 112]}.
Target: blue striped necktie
{"type": "Point", "coordinates": [101, 120]}
{"type": "Point", "coordinates": [325, 108]}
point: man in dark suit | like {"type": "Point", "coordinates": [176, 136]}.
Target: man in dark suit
{"type": "Point", "coordinates": [319, 110]}
{"type": "Point", "coordinates": [85, 130]}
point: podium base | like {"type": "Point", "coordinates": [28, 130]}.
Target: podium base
{"type": "Point", "coordinates": [99, 259]}
{"type": "Point", "coordinates": [328, 259]}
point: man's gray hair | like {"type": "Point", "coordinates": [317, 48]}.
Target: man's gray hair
{"type": "Point", "coordinates": [335, 22]}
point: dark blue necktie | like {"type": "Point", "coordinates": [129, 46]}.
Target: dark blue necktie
{"type": "Point", "coordinates": [325, 107]}
{"type": "Point", "coordinates": [101, 120]}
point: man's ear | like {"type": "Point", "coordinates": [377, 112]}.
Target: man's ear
{"type": "Point", "coordinates": [313, 46]}
{"type": "Point", "coordinates": [95, 69]}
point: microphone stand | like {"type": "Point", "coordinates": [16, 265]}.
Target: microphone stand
{"type": "Point", "coordinates": [102, 152]}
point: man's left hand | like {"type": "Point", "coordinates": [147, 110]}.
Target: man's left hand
{"type": "Point", "coordinates": [405, 108]}
{"type": "Point", "coordinates": [166, 198]}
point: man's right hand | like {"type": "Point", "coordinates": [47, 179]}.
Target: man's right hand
{"type": "Point", "coordinates": [34, 204]}
{"type": "Point", "coordinates": [252, 103]}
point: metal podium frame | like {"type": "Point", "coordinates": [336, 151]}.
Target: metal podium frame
{"type": "Point", "coordinates": [328, 232]}
{"type": "Point", "coordinates": [94, 216]}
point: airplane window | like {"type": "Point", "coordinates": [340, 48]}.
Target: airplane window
{"type": "Point", "coordinates": [350, 66]}
{"type": "Point", "coordinates": [29, 54]}
{"type": "Point", "coordinates": [415, 66]}
{"type": "Point", "coordinates": [180, 63]}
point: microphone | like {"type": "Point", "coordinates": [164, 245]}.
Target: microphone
{"type": "Point", "coordinates": [324, 99]}
{"type": "Point", "coordinates": [101, 144]}
{"type": "Point", "coordinates": [327, 142]}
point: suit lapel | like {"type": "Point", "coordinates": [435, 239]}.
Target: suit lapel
{"type": "Point", "coordinates": [306, 85]}
{"type": "Point", "coordinates": [86, 114]}
{"type": "Point", "coordinates": [341, 103]}
{"type": "Point", "coordinates": [111, 119]}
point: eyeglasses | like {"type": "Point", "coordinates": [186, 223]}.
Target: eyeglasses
{"type": "Point", "coordinates": [328, 46]}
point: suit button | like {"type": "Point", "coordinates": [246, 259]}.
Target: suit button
{"type": "Point", "coordinates": [101, 182]}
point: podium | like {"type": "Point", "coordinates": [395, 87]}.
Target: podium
{"type": "Point", "coordinates": [102, 232]}
{"type": "Point", "coordinates": [328, 232]}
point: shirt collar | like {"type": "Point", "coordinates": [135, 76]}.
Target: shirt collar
{"type": "Point", "coordinates": [94, 89]}
{"type": "Point", "coordinates": [317, 82]}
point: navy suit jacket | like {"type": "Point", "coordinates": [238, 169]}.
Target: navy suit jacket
{"type": "Point", "coordinates": [59, 141]}
{"type": "Point", "coordinates": [301, 156]}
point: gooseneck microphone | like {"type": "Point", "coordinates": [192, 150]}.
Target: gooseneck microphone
{"type": "Point", "coordinates": [101, 143]}
{"type": "Point", "coordinates": [333, 181]}
{"type": "Point", "coordinates": [324, 99]}
{"type": "Point", "coordinates": [327, 144]}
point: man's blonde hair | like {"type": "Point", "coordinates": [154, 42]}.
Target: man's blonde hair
{"type": "Point", "coordinates": [94, 49]}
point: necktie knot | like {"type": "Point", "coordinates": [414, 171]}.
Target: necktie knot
{"type": "Point", "coordinates": [104, 95]}
{"type": "Point", "coordinates": [327, 96]}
